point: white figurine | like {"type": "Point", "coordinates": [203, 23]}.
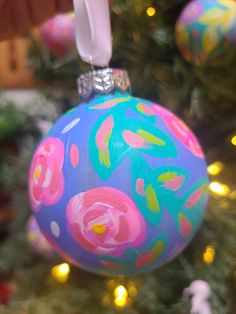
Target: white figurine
{"type": "Point", "coordinates": [200, 292]}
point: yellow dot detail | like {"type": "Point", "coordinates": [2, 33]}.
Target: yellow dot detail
{"type": "Point", "coordinates": [37, 173]}
{"type": "Point", "coordinates": [98, 228]}
{"type": "Point", "coordinates": [151, 11]}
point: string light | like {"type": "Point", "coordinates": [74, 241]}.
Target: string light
{"type": "Point", "coordinates": [151, 11]}
{"type": "Point", "coordinates": [233, 140]}
{"type": "Point", "coordinates": [61, 272]}
{"type": "Point", "coordinates": [209, 255]}
{"type": "Point", "coordinates": [121, 291]}
{"type": "Point", "coordinates": [121, 295]}
{"type": "Point", "coordinates": [215, 168]}
{"type": "Point", "coordinates": [219, 188]}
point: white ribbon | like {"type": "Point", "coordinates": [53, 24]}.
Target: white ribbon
{"type": "Point", "coordinates": [93, 31]}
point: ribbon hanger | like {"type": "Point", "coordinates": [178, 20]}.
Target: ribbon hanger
{"type": "Point", "coordinates": [93, 31]}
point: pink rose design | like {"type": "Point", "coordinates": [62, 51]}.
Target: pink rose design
{"type": "Point", "coordinates": [46, 181]}
{"type": "Point", "coordinates": [105, 221]}
{"type": "Point", "coordinates": [180, 130]}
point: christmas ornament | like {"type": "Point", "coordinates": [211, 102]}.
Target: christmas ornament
{"type": "Point", "coordinates": [199, 291]}
{"type": "Point", "coordinates": [119, 184]}
{"type": "Point", "coordinates": [58, 35]}
{"type": "Point", "coordinates": [6, 292]}
{"type": "Point", "coordinates": [206, 29]}
{"type": "Point", "coordinates": [37, 240]}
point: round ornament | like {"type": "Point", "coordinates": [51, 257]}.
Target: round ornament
{"type": "Point", "coordinates": [37, 240]}
{"type": "Point", "coordinates": [58, 35]}
{"type": "Point", "coordinates": [206, 29]}
{"type": "Point", "coordinates": [119, 184]}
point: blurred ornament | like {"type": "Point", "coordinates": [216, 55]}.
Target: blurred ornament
{"type": "Point", "coordinates": [58, 35]}
{"type": "Point", "coordinates": [199, 291]}
{"type": "Point", "coordinates": [61, 272]}
{"type": "Point", "coordinates": [129, 192]}
{"type": "Point", "coordinates": [205, 30]}
{"type": "Point", "coordinates": [6, 291]}
{"type": "Point", "coordinates": [215, 168]}
{"type": "Point", "coordinates": [209, 255]}
{"type": "Point", "coordinates": [219, 188]}
{"type": "Point", "coordinates": [37, 240]}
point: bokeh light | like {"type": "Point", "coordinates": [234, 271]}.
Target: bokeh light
{"type": "Point", "coordinates": [151, 11]}
{"type": "Point", "coordinates": [215, 168]}
{"type": "Point", "coordinates": [209, 255]}
{"type": "Point", "coordinates": [61, 272]}
{"type": "Point", "coordinates": [219, 188]}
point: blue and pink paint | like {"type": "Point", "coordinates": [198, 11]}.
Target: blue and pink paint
{"type": "Point", "coordinates": [119, 185]}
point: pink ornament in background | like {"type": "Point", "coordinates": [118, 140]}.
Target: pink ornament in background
{"type": "Point", "coordinates": [101, 220]}
{"type": "Point", "coordinates": [45, 177]}
{"type": "Point", "coordinates": [37, 240]}
{"type": "Point", "coordinates": [58, 35]}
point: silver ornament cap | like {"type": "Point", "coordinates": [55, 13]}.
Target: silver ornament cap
{"type": "Point", "coordinates": [103, 81]}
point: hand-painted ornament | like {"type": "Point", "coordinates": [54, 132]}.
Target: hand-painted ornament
{"type": "Point", "coordinates": [58, 35]}
{"type": "Point", "coordinates": [37, 240]}
{"type": "Point", "coordinates": [119, 184]}
{"type": "Point", "coordinates": [206, 29]}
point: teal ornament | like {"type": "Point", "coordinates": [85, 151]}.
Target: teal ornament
{"type": "Point", "coordinates": [119, 184]}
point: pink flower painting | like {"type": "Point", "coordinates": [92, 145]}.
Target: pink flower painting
{"type": "Point", "coordinates": [105, 221]}
{"type": "Point", "coordinates": [180, 130]}
{"type": "Point", "coordinates": [46, 181]}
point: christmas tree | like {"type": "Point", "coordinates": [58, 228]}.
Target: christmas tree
{"type": "Point", "coordinates": [144, 42]}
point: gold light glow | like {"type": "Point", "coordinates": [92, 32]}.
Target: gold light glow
{"type": "Point", "coordinates": [151, 11]}
{"type": "Point", "coordinates": [219, 188]}
{"type": "Point", "coordinates": [61, 272]}
{"type": "Point", "coordinates": [121, 291]}
{"type": "Point", "coordinates": [121, 295]}
{"type": "Point", "coordinates": [209, 255]}
{"type": "Point", "coordinates": [215, 168]}
{"type": "Point", "coordinates": [120, 301]}
{"type": "Point", "coordinates": [233, 140]}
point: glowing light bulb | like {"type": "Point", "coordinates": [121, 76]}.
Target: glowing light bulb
{"type": "Point", "coordinates": [121, 295]}
{"type": "Point", "coordinates": [61, 272]}
{"type": "Point", "coordinates": [120, 301]}
{"type": "Point", "coordinates": [215, 168]}
{"type": "Point", "coordinates": [151, 11]}
{"type": "Point", "coordinates": [219, 188]}
{"type": "Point", "coordinates": [209, 255]}
{"type": "Point", "coordinates": [233, 140]}
{"type": "Point", "coordinates": [121, 291]}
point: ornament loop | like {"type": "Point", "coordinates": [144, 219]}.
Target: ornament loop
{"type": "Point", "coordinates": [93, 31]}
{"type": "Point", "coordinates": [103, 81]}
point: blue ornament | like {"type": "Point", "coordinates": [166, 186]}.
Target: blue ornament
{"type": "Point", "coordinates": [119, 185]}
